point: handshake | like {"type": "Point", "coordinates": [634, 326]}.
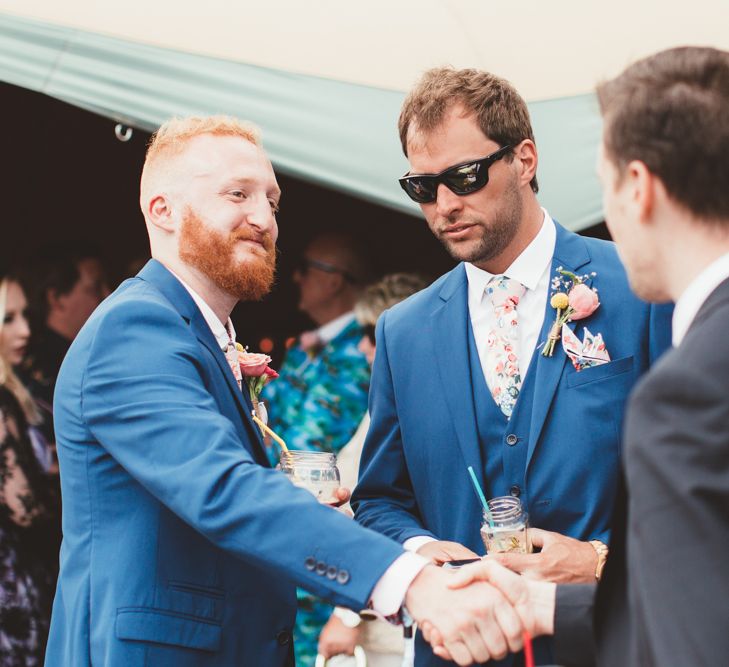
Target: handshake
{"type": "Point", "coordinates": [479, 612]}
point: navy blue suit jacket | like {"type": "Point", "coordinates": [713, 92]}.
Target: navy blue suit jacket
{"type": "Point", "coordinates": [423, 435]}
{"type": "Point", "coordinates": [181, 546]}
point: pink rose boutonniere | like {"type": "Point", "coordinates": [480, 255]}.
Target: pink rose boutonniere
{"type": "Point", "coordinates": [573, 300]}
{"type": "Point", "coordinates": [256, 372]}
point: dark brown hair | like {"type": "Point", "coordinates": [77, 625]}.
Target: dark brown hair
{"type": "Point", "coordinates": [671, 112]}
{"type": "Point", "coordinates": [501, 112]}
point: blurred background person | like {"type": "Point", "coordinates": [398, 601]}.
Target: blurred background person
{"type": "Point", "coordinates": [26, 516]}
{"type": "Point", "coordinates": [65, 283]}
{"type": "Point", "coordinates": [382, 642]}
{"type": "Point", "coordinates": [321, 395]}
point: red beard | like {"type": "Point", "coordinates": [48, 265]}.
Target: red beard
{"type": "Point", "coordinates": [214, 254]}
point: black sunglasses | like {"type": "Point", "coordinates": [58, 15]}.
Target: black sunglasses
{"type": "Point", "coordinates": [461, 179]}
{"type": "Point", "coordinates": [304, 264]}
{"type": "Point", "coordinates": [368, 331]}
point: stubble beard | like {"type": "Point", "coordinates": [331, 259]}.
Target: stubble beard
{"type": "Point", "coordinates": [213, 254]}
{"type": "Point", "coordinates": [496, 236]}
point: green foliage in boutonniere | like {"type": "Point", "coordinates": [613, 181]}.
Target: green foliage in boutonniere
{"type": "Point", "coordinates": [573, 300]}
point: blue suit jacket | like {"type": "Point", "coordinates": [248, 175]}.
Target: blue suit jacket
{"type": "Point", "coordinates": [423, 435]}
{"type": "Point", "coordinates": [181, 547]}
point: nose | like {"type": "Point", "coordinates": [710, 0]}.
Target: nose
{"type": "Point", "coordinates": [261, 216]}
{"type": "Point", "coordinates": [23, 327]}
{"type": "Point", "coordinates": [447, 202]}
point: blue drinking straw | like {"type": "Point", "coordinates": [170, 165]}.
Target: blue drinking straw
{"type": "Point", "coordinates": [481, 497]}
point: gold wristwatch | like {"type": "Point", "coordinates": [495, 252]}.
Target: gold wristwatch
{"type": "Point", "coordinates": [602, 553]}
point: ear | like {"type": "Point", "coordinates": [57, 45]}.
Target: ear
{"type": "Point", "coordinates": [526, 153]}
{"type": "Point", "coordinates": [159, 213]}
{"type": "Point", "coordinates": [53, 299]}
{"type": "Point", "coordinates": [336, 282]}
{"type": "Point", "coordinates": [644, 187]}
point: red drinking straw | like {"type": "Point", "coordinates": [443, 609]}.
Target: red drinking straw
{"type": "Point", "coordinates": [528, 653]}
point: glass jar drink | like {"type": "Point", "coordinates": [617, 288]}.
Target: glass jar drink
{"type": "Point", "coordinates": [506, 527]}
{"type": "Point", "coordinates": [316, 472]}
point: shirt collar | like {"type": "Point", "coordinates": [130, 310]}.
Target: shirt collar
{"type": "Point", "coordinates": [331, 330]}
{"type": "Point", "coordinates": [694, 296]}
{"type": "Point", "coordinates": [223, 333]}
{"type": "Point", "coordinates": [528, 267]}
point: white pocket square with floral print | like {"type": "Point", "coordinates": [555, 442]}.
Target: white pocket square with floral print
{"type": "Point", "coordinates": [590, 352]}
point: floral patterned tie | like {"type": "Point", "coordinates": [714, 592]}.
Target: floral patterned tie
{"type": "Point", "coordinates": [231, 354]}
{"type": "Point", "coordinates": [502, 352]}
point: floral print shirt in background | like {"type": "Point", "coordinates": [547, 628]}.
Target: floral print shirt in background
{"type": "Point", "coordinates": [320, 396]}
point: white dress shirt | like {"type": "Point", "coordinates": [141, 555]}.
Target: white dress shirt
{"type": "Point", "coordinates": [223, 332]}
{"type": "Point", "coordinates": [329, 331]}
{"type": "Point", "coordinates": [531, 269]}
{"type": "Point", "coordinates": [389, 592]}
{"type": "Point", "coordinates": [694, 296]}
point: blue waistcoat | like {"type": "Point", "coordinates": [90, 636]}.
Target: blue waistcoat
{"type": "Point", "coordinates": [504, 443]}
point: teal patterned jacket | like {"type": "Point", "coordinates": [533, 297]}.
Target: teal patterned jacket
{"type": "Point", "coordinates": [319, 399]}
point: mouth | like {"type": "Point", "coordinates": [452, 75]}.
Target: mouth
{"type": "Point", "coordinates": [253, 243]}
{"type": "Point", "coordinates": [457, 232]}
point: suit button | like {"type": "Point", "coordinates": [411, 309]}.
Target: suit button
{"type": "Point", "coordinates": [511, 439]}
{"type": "Point", "coordinates": [331, 572]}
{"type": "Point", "coordinates": [342, 576]}
{"type": "Point", "coordinates": [515, 491]}
{"type": "Point", "coordinates": [283, 637]}
{"type": "Point", "coordinates": [321, 568]}
{"type": "Point", "coordinates": [310, 563]}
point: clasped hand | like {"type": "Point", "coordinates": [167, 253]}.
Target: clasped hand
{"type": "Point", "coordinates": [514, 602]}
{"type": "Point", "coordinates": [467, 624]}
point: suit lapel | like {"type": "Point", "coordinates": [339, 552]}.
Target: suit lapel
{"type": "Point", "coordinates": [155, 273]}
{"type": "Point", "coordinates": [570, 253]}
{"type": "Point", "coordinates": [450, 351]}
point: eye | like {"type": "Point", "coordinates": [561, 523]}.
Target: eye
{"type": "Point", "coordinates": [274, 206]}
{"type": "Point", "coordinates": [8, 318]}
{"type": "Point", "coordinates": [238, 194]}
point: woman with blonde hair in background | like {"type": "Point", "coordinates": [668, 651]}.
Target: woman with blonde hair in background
{"type": "Point", "coordinates": [381, 642]}
{"type": "Point", "coordinates": [25, 583]}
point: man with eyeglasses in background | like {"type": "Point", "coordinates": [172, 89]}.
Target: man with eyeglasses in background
{"type": "Point", "coordinates": [464, 374]}
{"type": "Point", "coordinates": [320, 396]}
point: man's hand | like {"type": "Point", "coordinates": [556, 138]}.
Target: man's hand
{"type": "Point", "coordinates": [533, 601]}
{"type": "Point", "coordinates": [441, 552]}
{"type": "Point", "coordinates": [337, 639]}
{"type": "Point", "coordinates": [340, 497]}
{"type": "Point", "coordinates": [562, 560]}
{"type": "Point", "coordinates": [472, 624]}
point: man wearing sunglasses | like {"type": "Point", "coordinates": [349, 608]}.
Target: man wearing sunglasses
{"type": "Point", "coordinates": [461, 378]}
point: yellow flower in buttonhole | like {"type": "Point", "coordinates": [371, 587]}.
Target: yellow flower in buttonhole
{"type": "Point", "coordinates": [559, 301]}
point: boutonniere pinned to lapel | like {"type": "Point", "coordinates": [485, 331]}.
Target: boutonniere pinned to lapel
{"type": "Point", "coordinates": [573, 300]}
{"type": "Point", "coordinates": [255, 369]}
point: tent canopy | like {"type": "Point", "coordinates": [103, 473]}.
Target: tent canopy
{"type": "Point", "coordinates": [326, 80]}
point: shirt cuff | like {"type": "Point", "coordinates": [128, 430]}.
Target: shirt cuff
{"type": "Point", "coordinates": [414, 543]}
{"type": "Point", "coordinates": [389, 592]}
